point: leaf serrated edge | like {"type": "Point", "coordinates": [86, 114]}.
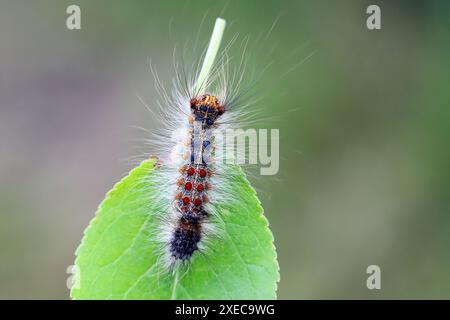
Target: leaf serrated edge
{"type": "Point", "coordinates": [267, 224]}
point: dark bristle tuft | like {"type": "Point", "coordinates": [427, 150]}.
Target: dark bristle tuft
{"type": "Point", "coordinates": [184, 243]}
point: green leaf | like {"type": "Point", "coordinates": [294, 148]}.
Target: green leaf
{"type": "Point", "coordinates": [118, 258]}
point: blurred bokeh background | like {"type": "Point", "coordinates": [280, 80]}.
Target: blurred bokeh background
{"type": "Point", "coordinates": [364, 123]}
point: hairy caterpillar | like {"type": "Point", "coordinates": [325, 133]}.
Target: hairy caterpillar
{"type": "Point", "coordinates": [193, 183]}
{"type": "Point", "coordinates": [193, 176]}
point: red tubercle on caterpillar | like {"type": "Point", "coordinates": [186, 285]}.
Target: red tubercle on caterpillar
{"type": "Point", "coordinates": [186, 200]}
{"type": "Point", "coordinates": [202, 173]}
{"type": "Point", "coordinates": [199, 187]}
{"type": "Point", "coordinates": [188, 186]}
{"type": "Point", "coordinates": [191, 171]}
{"type": "Point", "coordinates": [197, 202]}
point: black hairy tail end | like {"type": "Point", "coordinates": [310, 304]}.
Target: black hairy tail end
{"type": "Point", "coordinates": [186, 237]}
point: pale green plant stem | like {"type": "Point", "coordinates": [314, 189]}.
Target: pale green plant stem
{"type": "Point", "coordinates": [210, 56]}
{"type": "Point", "coordinates": [175, 284]}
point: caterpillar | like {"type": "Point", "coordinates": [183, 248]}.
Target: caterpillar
{"type": "Point", "coordinates": [193, 183]}
{"type": "Point", "coordinates": [191, 175]}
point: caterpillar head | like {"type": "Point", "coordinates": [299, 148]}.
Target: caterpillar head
{"type": "Point", "coordinates": [206, 109]}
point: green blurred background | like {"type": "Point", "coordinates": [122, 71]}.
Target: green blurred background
{"type": "Point", "coordinates": [364, 124]}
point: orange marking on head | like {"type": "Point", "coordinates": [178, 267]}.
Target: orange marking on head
{"type": "Point", "coordinates": [209, 101]}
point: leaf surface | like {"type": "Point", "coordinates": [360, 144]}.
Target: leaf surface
{"type": "Point", "coordinates": [118, 256]}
